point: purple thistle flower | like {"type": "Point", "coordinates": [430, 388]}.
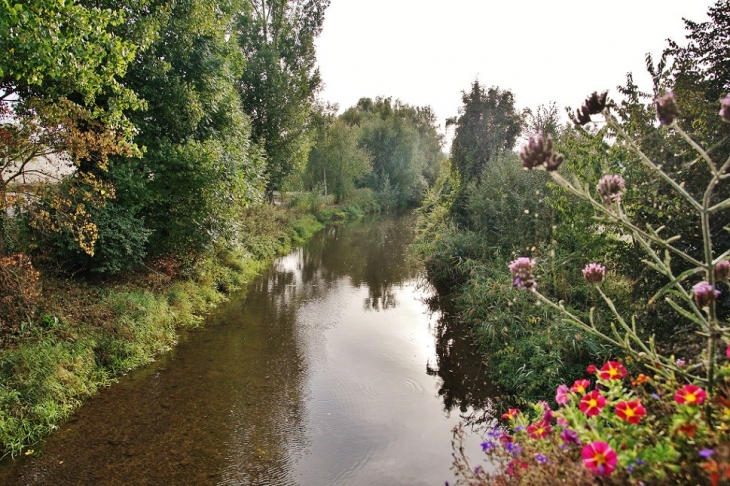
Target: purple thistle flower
{"type": "Point", "coordinates": [522, 273]}
{"type": "Point", "coordinates": [722, 269]}
{"type": "Point", "coordinates": [725, 108]}
{"type": "Point", "coordinates": [666, 108]}
{"type": "Point", "coordinates": [593, 105]}
{"type": "Point", "coordinates": [594, 273]}
{"type": "Point", "coordinates": [610, 187]}
{"type": "Point", "coordinates": [539, 153]}
{"type": "Point", "coordinates": [704, 294]}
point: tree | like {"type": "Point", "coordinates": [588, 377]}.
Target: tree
{"type": "Point", "coordinates": [487, 125]}
{"type": "Point", "coordinates": [336, 161]}
{"type": "Point", "coordinates": [280, 80]}
{"type": "Point", "coordinates": [61, 99]}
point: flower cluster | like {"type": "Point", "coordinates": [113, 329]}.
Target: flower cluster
{"type": "Point", "coordinates": [522, 276]}
{"type": "Point", "coordinates": [539, 153]}
{"type": "Point", "coordinates": [640, 432]}
{"type": "Point", "coordinates": [610, 188]}
{"type": "Point", "coordinates": [593, 105]}
{"type": "Point", "coordinates": [594, 273]}
{"type": "Point", "coordinates": [704, 294]}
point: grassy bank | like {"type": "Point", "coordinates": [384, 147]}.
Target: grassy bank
{"type": "Point", "coordinates": [87, 333]}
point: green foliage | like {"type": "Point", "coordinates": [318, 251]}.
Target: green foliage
{"type": "Point", "coordinates": [487, 125]}
{"type": "Point", "coordinates": [19, 292]}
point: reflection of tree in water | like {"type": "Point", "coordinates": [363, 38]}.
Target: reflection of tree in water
{"type": "Point", "coordinates": [374, 253]}
{"type": "Point", "coordinates": [459, 364]}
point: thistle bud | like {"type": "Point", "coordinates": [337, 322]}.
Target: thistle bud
{"type": "Point", "coordinates": [522, 273]}
{"type": "Point", "coordinates": [704, 294]}
{"type": "Point", "coordinates": [539, 153]}
{"type": "Point", "coordinates": [610, 187]}
{"type": "Point", "coordinates": [725, 108]}
{"type": "Point", "coordinates": [593, 105]}
{"type": "Point", "coordinates": [666, 108]}
{"type": "Point", "coordinates": [722, 270]}
{"type": "Point", "coordinates": [594, 273]}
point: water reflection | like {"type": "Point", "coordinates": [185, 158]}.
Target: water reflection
{"type": "Point", "coordinates": [313, 376]}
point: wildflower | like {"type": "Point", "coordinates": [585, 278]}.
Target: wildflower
{"type": "Point", "coordinates": [727, 350]}
{"type": "Point", "coordinates": [570, 437]}
{"type": "Point", "coordinates": [522, 273]}
{"type": "Point", "coordinates": [690, 395]}
{"type": "Point", "coordinates": [541, 458]}
{"type": "Point", "coordinates": [680, 363]}
{"type": "Point", "coordinates": [580, 386]}
{"type": "Point", "coordinates": [593, 105]}
{"type": "Point", "coordinates": [722, 269]}
{"type": "Point", "coordinates": [706, 453]}
{"type": "Point", "coordinates": [487, 445]}
{"type": "Point", "coordinates": [637, 462]}
{"type": "Point", "coordinates": [513, 448]}
{"type": "Point", "coordinates": [561, 422]}
{"type": "Point", "coordinates": [610, 187]}
{"type": "Point", "coordinates": [687, 429]}
{"type": "Point", "coordinates": [592, 403]}
{"type": "Point", "coordinates": [725, 108]}
{"type": "Point", "coordinates": [630, 411]}
{"type": "Point", "coordinates": [510, 414]}
{"type": "Point", "coordinates": [594, 273]}
{"type": "Point", "coordinates": [539, 153]}
{"type": "Point", "coordinates": [591, 369]}
{"type": "Point", "coordinates": [666, 108]}
{"type": "Point", "coordinates": [561, 396]}
{"type": "Point", "coordinates": [599, 458]}
{"type": "Point", "coordinates": [538, 430]}
{"type": "Point", "coordinates": [655, 396]}
{"type": "Point", "coordinates": [612, 370]}
{"type": "Point", "coordinates": [704, 294]}
{"type": "Point", "coordinates": [640, 380]}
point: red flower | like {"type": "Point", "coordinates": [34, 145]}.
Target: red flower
{"type": "Point", "coordinates": [613, 370]}
{"type": "Point", "coordinates": [592, 403]}
{"type": "Point", "coordinates": [510, 414]}
{"type": "Point", "coordinates": [538, 430]}
{"type": "Point", "coordinates": [631, 411]}
{"type": "Point", "coordinates": [687, 429]}
{"type": "Point", "coordinates": [599, 458]}
{"type": "Point", "coordinates": [580, 386]}
{"type": "Point", "coordinates": [591, 369]}
{"type": "Point", "coordinates": [727, 350]}
{"type": "Point", "coordinates": [690, 395]}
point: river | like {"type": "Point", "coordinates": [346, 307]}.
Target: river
{"type": "Point", "coordinates": [334, 367]}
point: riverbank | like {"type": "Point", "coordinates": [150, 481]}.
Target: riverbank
{"type": "Point", "coordinates": [90, 332]}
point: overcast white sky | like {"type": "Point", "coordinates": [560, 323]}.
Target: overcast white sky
{"type": "Point", "coordinates": [425, 52]}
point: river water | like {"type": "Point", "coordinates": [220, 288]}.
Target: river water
{"type": "Point", "coordinates": [335, 367]}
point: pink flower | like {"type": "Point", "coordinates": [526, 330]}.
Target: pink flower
{"type": "Point", "coordinates": [727, 350]}
{"type": "Point", "coordinates": [580, 386]}
{"type": "Point", "coordinates": [522, 273]}
{"type": "Point", "coordinates": [704, 294]}
{"type": "Point", "coordinates": [690, 395]}
{"type": "Point", "coordinates": [562, 395]}
{"type": "Point", "coordinates": [612, 370]}
{"type": "Point", "coordinates": [725, 108]}
{"type": "Point", "coordinates": [599, 458]}
{"type": "Point", "coordinates": [722, 269]}
{"type": "Point", "coordinates": [592, 403]}
{"type": "Point", "coordinates": [591, 369]}
{"type": "Point", "coordinates": [630, 411]}
{"type": "Point", "coordinates": [594, 273]}
{"type": "Point", "coordinates": [538, 430]}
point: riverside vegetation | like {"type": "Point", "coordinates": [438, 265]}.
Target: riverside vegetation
{"type": "Point", "coordinates": [618, 251]}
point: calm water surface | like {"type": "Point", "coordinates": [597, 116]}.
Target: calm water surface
{"type": "Point", "coordinates": [335, 367]}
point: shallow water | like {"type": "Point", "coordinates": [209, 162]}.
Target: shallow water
{"type": "Point", "coordinates": [335, 367]}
